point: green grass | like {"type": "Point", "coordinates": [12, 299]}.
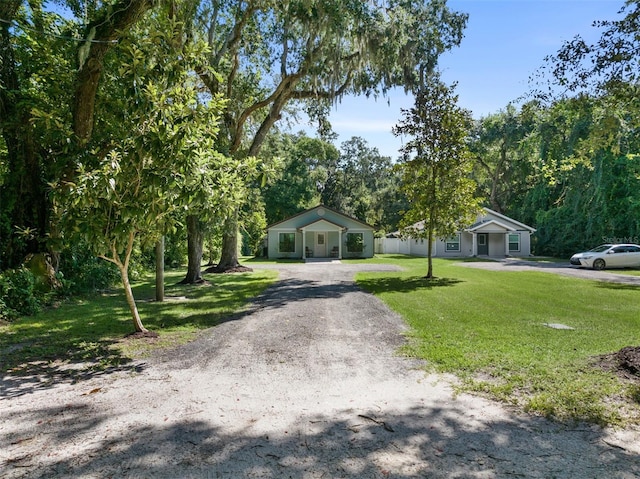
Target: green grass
{"type": "Point", "coordinates": [94, 329]}
{"type": "Point", "coordinates": [488, 328]}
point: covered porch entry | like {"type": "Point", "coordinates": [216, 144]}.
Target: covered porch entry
{"type": "Point", "coordinates": [494, 238]}
{"type": "Point", "coordinates": [321, 239]}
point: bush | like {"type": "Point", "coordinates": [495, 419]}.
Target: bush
{"type": "Point", "coordinates": [83, 272]}
{"type": "Point", "coordinates": [18, 296]}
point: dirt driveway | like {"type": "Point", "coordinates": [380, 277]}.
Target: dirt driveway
{"type": "Point", "coordinates": [307, 384]}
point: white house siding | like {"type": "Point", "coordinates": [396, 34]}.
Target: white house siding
{"type": "Point", "coordinates": [324, 220]}
{"type": "Point", "coordinates": [368, 241]}
{"type": "Point", "coordinates": [417, 246]}
{"type": "Point", "coordinates": [273, 243]}
{"type": "Point", "coordinates": [496, 226]}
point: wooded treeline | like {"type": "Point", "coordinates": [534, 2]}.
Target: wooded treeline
{"type": "Point", "coordinates": [121, 121]}
{"type": "Point", "coordinates": [125, 120]}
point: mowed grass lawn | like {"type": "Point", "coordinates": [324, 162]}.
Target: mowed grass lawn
{"type": "Point", "coordinates": [489, 329]}
{"type": "Point", "coordinates": [93, 330]}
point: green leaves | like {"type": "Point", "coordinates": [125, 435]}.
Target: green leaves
{"type": "Point", "coordinates": [160, 157]}
{"type": "Point", "coordinates": [437, 164]}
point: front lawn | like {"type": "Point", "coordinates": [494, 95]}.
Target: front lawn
{"type": "Point", "coordinates": [492, 330]}
{"type": "Point", "coordinates": [91, 331]}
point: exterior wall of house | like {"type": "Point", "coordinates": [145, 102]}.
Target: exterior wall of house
{"type": "Point", "coordinates": [525, 244]}
{"type": "Point", "coordinates": [465, 247]}
{"type": "Point", "coordinates": [319, 219]}
{"type": "Point", "coordinates": [497, 244]}
{"type": "Point", "coordinates": [497, 227]}
{"type": "Point", "coordinates": [273, 244]}
{"type": "Point", "coordinates": [368, 242]}
{"type": "Point", "coordinates": [333, 241]}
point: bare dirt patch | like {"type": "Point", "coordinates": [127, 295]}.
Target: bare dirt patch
{"type": "Point", "coordinates": [629, 360]}
{"type": "Point", "coordinates": [625, 363]}
{"type": "Point", "coordinates": [215, 269]}
{"type": "Point", "coordinates": [146, 335]}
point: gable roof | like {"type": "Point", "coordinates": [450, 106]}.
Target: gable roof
{"type": "Point", "coordinates": [510, 220]}
{"type": "Point", "coordinates": [336, 212]}
{"type": "Point", "coordinates": [321, 221]}
{"type": "Point", "coordinates": [503, 222]}
{"type": "Point", "coordinates": [487, 224]}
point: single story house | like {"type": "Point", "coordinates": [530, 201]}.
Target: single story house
{"type": "Point", "coordinates": [320, 232]}
{"type": "Point", "coordinates": [492, 234]}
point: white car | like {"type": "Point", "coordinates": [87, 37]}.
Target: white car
{"type": "Point", "coordinates": [609, 256]}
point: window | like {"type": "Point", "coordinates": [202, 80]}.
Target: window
{"type": "Point", "coordinates": [514, 242]}
{"type": "Point", "coordinates": [355, 242]}
{"type": "Point", "coordinates": [453, 243]}
{"type": "Point", "coordinates": [287, 243]}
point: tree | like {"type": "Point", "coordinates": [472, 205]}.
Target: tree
{"type": "Point", "coordinates": [502, 149]}
{"type": "Point", "coordinates": [436, 164]}
{"type": "Point", "coordinates": [47, 104]}
{"type": "Point", "coordinates": [296, 187]}
{"type": "Point", "coordinates": [271, 55]}
{"type": "Point", "coordinates": [586, 190]}
{"type": "Point", "coordinates": [366, 185]}
{"type": "Point", "coordinates": [610, 64]}
{"type": "Point", "coordinates": [160, 159]}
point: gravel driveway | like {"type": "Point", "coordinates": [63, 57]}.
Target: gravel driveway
{"type": "Point", "coordinates": [307, 384]}
{"type": "Point", "coordinates": [565, 269]}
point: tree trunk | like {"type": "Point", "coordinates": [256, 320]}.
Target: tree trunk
{"type": "Point", "coordinates": [123, 267]}
{"type": "Point", "coordinates": [160, 270]}
{"type": "Point", "coordinates": [137, 322]}
{"type": "Point", "coordinates": [229, 254]}
{"type": "Point", "coordinates": [124, 274]}
{"type": "Point", "coordinates": [102, 35]}
{"type": "Point", "coordinates": [195, 246]}
{"type": "Point", "coordinates": [430, 255]}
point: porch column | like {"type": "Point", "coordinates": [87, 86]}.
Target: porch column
{"type": "Point", "coordinates": [474, 244]}
{"type": "Point", "coordinates": [506, 244]}
{"type": "Point", "coordinates": [340, 243]}
{"type": "Point", "coordinates": [304, 244]}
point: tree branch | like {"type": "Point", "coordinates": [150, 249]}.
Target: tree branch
{"type": "Point", "coordinates": [101, 36]}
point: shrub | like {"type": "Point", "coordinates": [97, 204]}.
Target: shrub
{"type": "Point", "coordinates": [83, 272]}
{"type": "Point", "coordinates": [18, 296]}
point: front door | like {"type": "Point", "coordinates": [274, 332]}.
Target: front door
{"type": "Point", "coordinates": [320, 250]}
{"type": "Point", "coordinates": [483, 244]}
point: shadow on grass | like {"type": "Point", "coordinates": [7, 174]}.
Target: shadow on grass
{"type": "Point", "coordinates": [77, 440]}
{"type": "Point", "coordinates": [405, 284]}
{"type": "Point", "coordinates": [64, 345]}
{"type": "Point", "coordinates": [80, 340]}
{"type": "Point", "coordinates": [618, 286]}
{"type": "Point", "coordinates": [204, 305]}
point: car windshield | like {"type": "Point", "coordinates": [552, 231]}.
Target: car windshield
{"type": "Point", "coordinates": [601, 248]}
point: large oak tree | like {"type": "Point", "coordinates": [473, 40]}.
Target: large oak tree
{"type": "Point", "coordinates": [273, 55]}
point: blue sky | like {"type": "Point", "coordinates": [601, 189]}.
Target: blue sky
{"type": "Point", "coordinates": [505, 43]}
